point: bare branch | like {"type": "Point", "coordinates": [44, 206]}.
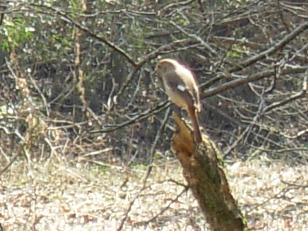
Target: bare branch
{"type": "Point", "coordinates": [280, 44]}
{"type": "Point", "coordinates": [254, 77]}
{"type": "Point", "coordinates": [102, 39]}
{"type": "Point", "coordinates": [140, 117]}
{"type": "Point", "coordinates": [296, 96]}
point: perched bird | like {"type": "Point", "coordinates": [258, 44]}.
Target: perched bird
{"type": "Point", "coordinates": [181, 87]}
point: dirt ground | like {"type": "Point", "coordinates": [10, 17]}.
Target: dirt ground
{"type": "Point", "coordinates": [61, 195]}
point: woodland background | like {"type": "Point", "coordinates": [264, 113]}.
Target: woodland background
{"type": "Point", "coordinates": [77, 92]}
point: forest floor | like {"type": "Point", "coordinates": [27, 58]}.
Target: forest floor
{"type": "Point", "coordinates": [63, 195]}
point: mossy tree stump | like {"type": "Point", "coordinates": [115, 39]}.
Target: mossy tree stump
{"type": "Point", "coordinates": [204, 173]}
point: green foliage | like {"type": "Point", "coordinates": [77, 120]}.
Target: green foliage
{"type": "Point", "coordinates": [139, 166]}
{"type": "Point", "coordinates": [182, 21]}
{"type": "Point", "coordinates": [75, 6]}
{"type": "Point", "coordinates": [15, 33]}
{"type": "Point", "coordinates": [62, 43]}
{"type": "Point", "coordinates": [100, 169]}
{"type": "Point", "coordinates": [237, 51]}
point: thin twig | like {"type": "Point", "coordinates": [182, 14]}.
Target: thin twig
{"type": "Point", "coordinates": [158, 135]}
{"type": "Point", "coordinates": [142, 116]}
{"type": "Point", "coordinates": [280, 44]}
{"type": "Point", "coordinates": [185, 189]}
{"type": "Point", "coordinates": [64, 16]}
{"type": "Point", "coordinates": [260, 75]}
{"type": "Point", "coordinates": [296, 96]}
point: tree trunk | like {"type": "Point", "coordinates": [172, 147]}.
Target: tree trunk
{"type": "Point", "coordinates": [205, 175]}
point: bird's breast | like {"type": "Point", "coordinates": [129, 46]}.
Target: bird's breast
{"type": "Point", "coordinates": [175, 97]}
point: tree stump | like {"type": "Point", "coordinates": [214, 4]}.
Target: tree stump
{"type": "Point", "coordinates": [204, 173]}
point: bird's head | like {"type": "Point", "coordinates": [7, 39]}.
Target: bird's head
{"type": "Point", "coordinates": [165, 65]}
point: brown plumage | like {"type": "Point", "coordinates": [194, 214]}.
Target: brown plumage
{"type": "Point", "coordinates": [182, 89]}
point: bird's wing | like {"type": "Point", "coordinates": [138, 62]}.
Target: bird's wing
{"type": "Point", "coordinates": [178, 87]}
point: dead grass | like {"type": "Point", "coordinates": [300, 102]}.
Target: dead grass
{"type": "Point", "coordinates": [73, 196]}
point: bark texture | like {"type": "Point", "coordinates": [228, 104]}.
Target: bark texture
{"type": "Point", "coordinates": [205, 175]}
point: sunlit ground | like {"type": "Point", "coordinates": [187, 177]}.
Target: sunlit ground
{"type": "Point", "coordinates": [59, 195]}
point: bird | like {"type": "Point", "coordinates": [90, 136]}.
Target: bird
{"type": "Point", "coordinates": [182, 89]}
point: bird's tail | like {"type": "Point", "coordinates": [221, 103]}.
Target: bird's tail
{"type": "Point", "coordinates": [195, 123]}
